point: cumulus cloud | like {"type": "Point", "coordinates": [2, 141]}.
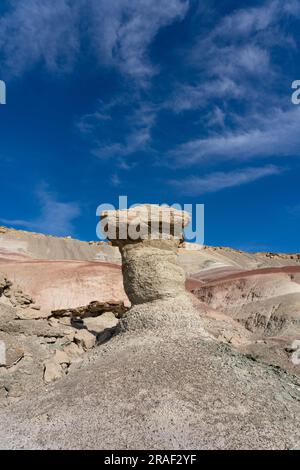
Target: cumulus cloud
{"type": "Point", "coordinates": [56, 217]}
{"type": "Point", "coordinates": [213, 182]}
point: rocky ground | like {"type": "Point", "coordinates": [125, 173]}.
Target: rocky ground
{"type": "Point", "coordinates": [219, 374]}
{"type": "Point", "coordinates": [172, 390]}
{"type": "Point", "coordinates": [43, 346]}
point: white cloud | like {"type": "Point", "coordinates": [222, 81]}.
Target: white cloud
{"type": "Point", "coordinates": [188, 97]}
{"type": "Point", "coordinates": [226, 73]}
{"type": "Point", "coordinates": [118, 32]}
{"type": "Point", "coordinates": [294, 210]}
{"type": "Point", "coordinates": [254, 22]}
{"type": "Point", "coordinates": [115, 180]}
{"type": "Point", "coordinates": [233, 60]}
{"type": "Point", "coordinates": [247, 21]}
{"type": "Point", "coordinates": [275, 134]}
{"type": "Point", "coordinates": [56, 217]}
{"type": "Point", "coordinates": [213, 182]}
{"type": "Point", "coordinates": [216, 117]}
{"type": "Point", "coordinates": [123, 30]}
{"type": "Point", "coordinates": [34, 32]}
{"type": "Point", "coordinates": [140, 121]}
{"type": "Point", "coordinates": [88, 122]}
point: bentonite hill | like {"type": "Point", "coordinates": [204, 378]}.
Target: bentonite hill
{"type": "Point", "coordinates": [203, 354]}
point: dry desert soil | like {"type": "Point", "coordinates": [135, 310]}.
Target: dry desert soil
{"type": "Point", "coordinates": [217, 369]}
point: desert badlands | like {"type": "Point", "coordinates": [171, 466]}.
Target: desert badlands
{"type": "Point", "coordinates": [147, 344]}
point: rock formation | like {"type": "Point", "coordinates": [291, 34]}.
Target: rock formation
{"type": "Point", "coordinates": [148, 237]}
{"type": "Point", "coordinates": [38, 345]}
{"type": "Point", "coordinates": [162, 383]}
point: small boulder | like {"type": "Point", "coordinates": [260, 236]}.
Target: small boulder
{"type": "Point", "coordinates": [15, 390]}
{"type": "Point", "coordinates": [18, 297]}
{"type": "Point", "coordinates": [64, 321]}
{"type": "Point", "coordinates": [11, 352]}
{"type": "Point", "coordinates": [73, 351]}
{"type": "Point", "coordinates": [52, 371]}
{"type": "Point", "coordinates": [103, 326]}
{"type": "Point", "coordinates": [2, 353]}
{"type": "Point", "coordinates": [36, 307]}
{"type": "Point", "coordinates": [61, 357]}
{"type": "Point", "coordinates": [31, 314]}
{"type": "Point", "coordinates": [4, 283]}
{"type": "Point", "coordinates": [85, 339]}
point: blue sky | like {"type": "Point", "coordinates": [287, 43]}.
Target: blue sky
{"type": "Point", "coordinates": [169, 101]}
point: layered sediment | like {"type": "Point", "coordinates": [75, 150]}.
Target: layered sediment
{"type": "Point", "coordinates": [148, 238]}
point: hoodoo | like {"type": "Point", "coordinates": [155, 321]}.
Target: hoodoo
{"type": "Point", "coordinates": [148, 237]}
